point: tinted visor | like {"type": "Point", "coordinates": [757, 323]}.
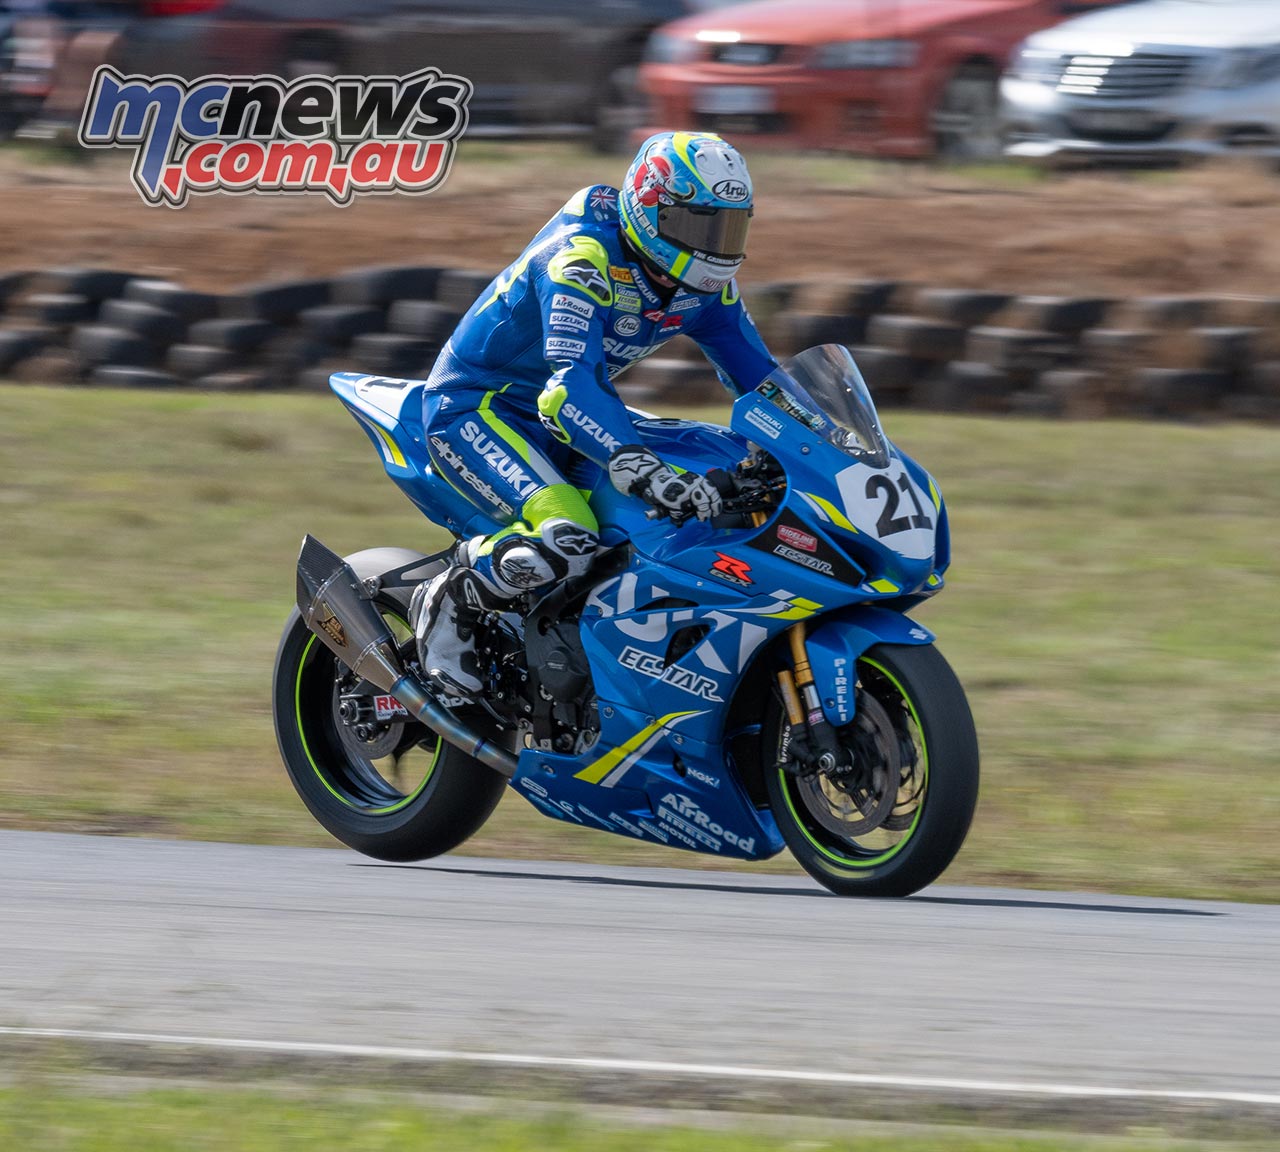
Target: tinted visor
{"type": "Point", "coordinates": [715, 231]}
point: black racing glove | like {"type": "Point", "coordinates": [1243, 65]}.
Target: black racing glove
{"type": "Point", "coordinates": [635, 471]}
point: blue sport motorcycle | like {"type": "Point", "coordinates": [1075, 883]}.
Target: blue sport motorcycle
{"type": "Point", "coordinates": [730, 687]}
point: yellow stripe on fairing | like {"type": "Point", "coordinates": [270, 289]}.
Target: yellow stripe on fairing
{"type": "Point", "coordinates": [884, 586]}
{"type": "Point", "coordinates": [597, 770]}
{"type": "Point", "coordinates": [800, 609]}
{"type": "Point", "coordinates": [838, 518]}
{"type": "Point", "coordinates": [389, 447]}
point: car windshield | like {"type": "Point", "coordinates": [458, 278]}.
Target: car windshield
{"type": "Point", "coordinates": [823, 389]}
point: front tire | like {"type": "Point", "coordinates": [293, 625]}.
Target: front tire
{"type": "Point", "coordinates": [354, 787]}
{"type": "Point", "coordinates": [899, 825]}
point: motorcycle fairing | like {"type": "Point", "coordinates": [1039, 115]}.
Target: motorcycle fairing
{"type": "Point", "coordinates": [647, 779]}
{"type": "Point", "coordinates": [660, 769]}
{"type": "Point", "coordinates": [390, 412]}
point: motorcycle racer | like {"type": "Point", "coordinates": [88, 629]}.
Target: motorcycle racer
{"type": "Point", "coordinates": [524, 385]}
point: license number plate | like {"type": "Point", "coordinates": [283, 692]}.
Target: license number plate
{"type": "Point", "coordinates": [1114, 120]}
{"type": "Point", "coordinates": [734, 100]}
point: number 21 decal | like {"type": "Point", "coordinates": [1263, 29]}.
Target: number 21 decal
{"type": "Point", "coordinates": [889, 521]}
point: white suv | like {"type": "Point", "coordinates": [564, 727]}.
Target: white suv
{"type": "Point", "coordinates": [1161, 79]}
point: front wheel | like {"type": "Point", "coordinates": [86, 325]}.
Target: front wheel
{"type": "Point", "coordinates": [896, 821]}
{"type": "Point", "coordinates": [373, 776]}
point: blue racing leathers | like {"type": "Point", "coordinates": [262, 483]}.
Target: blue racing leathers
{"type": "Point", "coordinates": [527, 377]}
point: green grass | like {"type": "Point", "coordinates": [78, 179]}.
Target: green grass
{"type": "Point", "coordinates": [46, 1119]}
{"type": "Point", "coordinates": [1111, 610]}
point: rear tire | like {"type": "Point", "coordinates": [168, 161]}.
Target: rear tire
{"type": "Point", "coordinates": [916, 691]}
{"type": "Point", "coordinates": [448, 801]}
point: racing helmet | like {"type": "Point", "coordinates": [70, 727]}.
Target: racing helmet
{"type": "Point", "coordinates": [685, 206]}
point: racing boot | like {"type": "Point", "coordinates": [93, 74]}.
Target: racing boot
{"type": "Point", "coordinates": [489, 574]}
{"type": "Point", "coordinates": [446, 612]}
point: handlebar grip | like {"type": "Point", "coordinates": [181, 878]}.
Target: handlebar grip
{"type": "Point", "coordinates": [723, 482]}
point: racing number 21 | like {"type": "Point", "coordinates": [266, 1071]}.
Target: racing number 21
{"type": "Point", "coordinates": [889, 521]}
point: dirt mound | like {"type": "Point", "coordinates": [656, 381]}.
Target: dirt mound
{"type": "Point", "coordinates": [1213, 230]}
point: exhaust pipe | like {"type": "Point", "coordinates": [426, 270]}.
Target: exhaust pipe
{"type": "Point", "coordinates": [334, 605]}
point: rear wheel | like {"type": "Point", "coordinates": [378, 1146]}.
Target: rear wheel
{"type": "Point", "coordinates": [895, 822]}
{"type": "Point", "coordinates": [382, 783]}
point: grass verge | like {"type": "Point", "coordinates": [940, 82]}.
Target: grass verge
{"type": "Point", "coordinates": [128, 1118]}
{"type": "Point", "coordinates": [1111, 610]}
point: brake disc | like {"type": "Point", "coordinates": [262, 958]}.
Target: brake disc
{"type": "Point", "coordinates": [383, 739]}
{"type": "Point", "coordinates": [858, 802]}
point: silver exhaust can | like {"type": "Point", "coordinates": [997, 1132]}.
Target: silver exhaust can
{"type": "Point", "coordinates": [335, 606]}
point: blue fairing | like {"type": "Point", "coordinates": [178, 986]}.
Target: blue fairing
{"type": "Point", "coordinates": [671, 638]}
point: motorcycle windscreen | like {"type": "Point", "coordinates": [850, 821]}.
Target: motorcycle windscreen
{"type": "Point", "coordinates": [826, 391]}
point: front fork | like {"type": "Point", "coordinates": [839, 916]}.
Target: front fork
{"type": "Point", "coordinates": [814, 744]}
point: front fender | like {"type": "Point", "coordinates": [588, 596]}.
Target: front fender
{"type": "Point", "coordinates": [837, 641]}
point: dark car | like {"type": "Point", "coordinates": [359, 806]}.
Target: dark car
{"type": "Point", "coordinates": [542, 65]}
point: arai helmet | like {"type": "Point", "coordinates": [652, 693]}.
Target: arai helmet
{"type": "Point", "coordinates": [685, 206]}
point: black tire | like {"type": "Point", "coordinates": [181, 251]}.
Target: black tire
{"type": "Point", "coordinates": [158, 325]}
{"type": "Point", "coordinates": [94, 344]}
{"type": "Point", "coordinates": [18, 344]}
{"type": "Point", "coordinates": [277, 303]}
{"type": "Point", "coordinates": [380, 286]}
{"type": "Point", "coordinates": [389, 354]}
{"type": "Point", "coordinates": [966, 120]}
{"type": "Point", "coordinates": [59, 307]}
{"type": "Point", "coordinates": [347, 794]}
{"type": "Point", "coordinates": [11, 283]}
{"type": "Point", "coordinates": [312, 54]}
{"type": "Point", "coordinates": [424, 319]}
{"type": "Point", "coordinates": [922, 699]}
{"type": "Point", "coordinates": [234, 335]}
{"type": "Point", "coordinates": [125, 376]}
{"type": "Point", "coordinates": [338, 324]}
{"type": "Point", "coordinates": [94, 283]}
{"type": "Point", "coordinates": [191, 361]}
{"type": "Point", "coordinates": [458, 288]}
{"type": "Point", "coordinates": [619, 110]}
{"type": "Point", "coordinates": [190, 306]}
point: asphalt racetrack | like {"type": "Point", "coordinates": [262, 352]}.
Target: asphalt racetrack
{"type": "Point", "coordinates": [637, 975]}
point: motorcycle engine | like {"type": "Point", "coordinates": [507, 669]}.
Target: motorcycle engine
{"type": "Point", "coordinates": [564, 717]}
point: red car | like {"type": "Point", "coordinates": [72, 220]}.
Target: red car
{"type": "Point", "coordinates": [888, 77]}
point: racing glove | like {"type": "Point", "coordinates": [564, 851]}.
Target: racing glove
{"type": "Point", "coordinates": [635, 471]}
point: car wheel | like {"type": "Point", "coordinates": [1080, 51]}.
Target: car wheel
{"type": "Point", "coordinates": [966, 120]}
{"type": "Point", "coordinates": [311, 56]}
{"type": "Point", "coordinates": [618, 111]}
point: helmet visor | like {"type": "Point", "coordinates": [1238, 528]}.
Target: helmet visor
{"type": "Point", "coordinates": [716, 231]}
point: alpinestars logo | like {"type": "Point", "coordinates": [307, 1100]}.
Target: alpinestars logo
{"type": "Point", "coordinates": [339, 136]}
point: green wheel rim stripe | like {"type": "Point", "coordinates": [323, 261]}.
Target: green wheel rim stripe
{"type": "Point", "coordinates": [889, 854]}
{"type": "Point", "coordinates": [297, 709]}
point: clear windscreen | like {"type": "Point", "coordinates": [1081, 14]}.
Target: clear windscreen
{"type": "Point", "coordinates": [823, 389]}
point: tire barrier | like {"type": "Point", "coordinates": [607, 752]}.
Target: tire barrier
{"type": "Point", "coordinates": [920, 346]}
